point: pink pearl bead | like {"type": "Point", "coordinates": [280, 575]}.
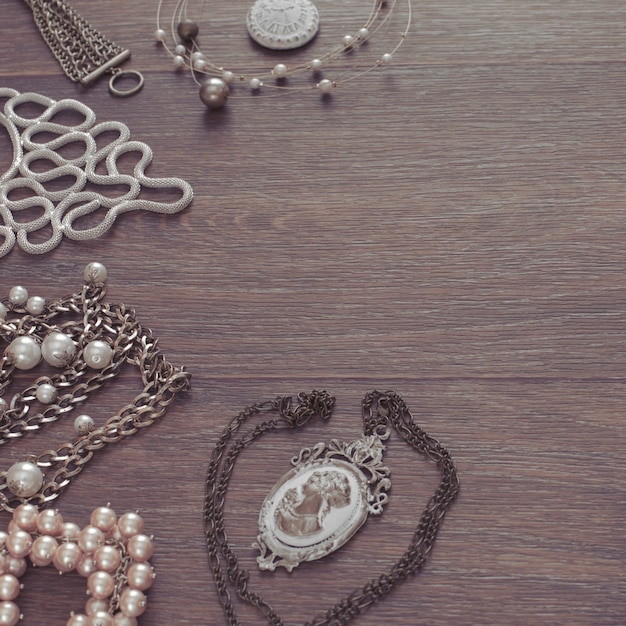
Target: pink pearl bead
{"type": "Point", "coordinates": [19, 543]}
{"type": "Point", "coordinates": [67, 557]}
{"type": "Point", "coordinates": [95, 605]}
{"type": "Point", "coordinates": [140, 576]}
{"type": "Point", "coordinates": [104, 518]}
{"type": "Point", "coordinates": [130, 524]}
{"type": "Point", "coordinates": [100, 585]}
{"type": "Point", "coordinates": [78, 619]}
{"type": "Point", "coordinates": [132, 602]}
{"type": "Point", "coordinates": [101, 618]}
{"type": "Point", "coordinates": [140, 548]}
{"type": "Point", "coordinates": [5, 562]}
{"type": "Point", "coordinates": [13, 526]}
{"type": "Point", "coordinates": [119, 619]}
{"type": "Point", "coordinates": [9, 587]}
{"type": "Point", "coordinates": [86, 566]}
{"type": "Point", "coordinates": [17, 566]}
{"type": "Point", "coordinates": [71, 531]}
{"type": "Point", "coordinates": [25, 516]}
{"type": "Point", "coordinates": [107, 558]}
{"type": "Point", "coordinates": [43, 550]}
{"type": "Point", "coordinates": [50, 522]}
{"type": "Point", "coordinates": [9, 613]}
{"type": "Point", "coordinates": [90, 539]}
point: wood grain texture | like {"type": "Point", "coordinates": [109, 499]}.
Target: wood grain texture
{"type": "Point", "coordinates": [452, 228]}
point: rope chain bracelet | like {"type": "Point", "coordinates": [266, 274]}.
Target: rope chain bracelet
{"type": "Point", "coordinates": [83, 52]}
{"type": "Point", "coordinates": [329, 465]}
{"type": "Point", "coordinates": [84, 343]}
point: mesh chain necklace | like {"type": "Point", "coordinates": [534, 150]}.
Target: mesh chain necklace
{"type": "Point", "coordinates": [381, 411]}
{"type": "Point", "coordinates": [85, 343]}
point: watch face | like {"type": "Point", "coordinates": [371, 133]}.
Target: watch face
{"type": "Point", "coordinates": [282, 24]}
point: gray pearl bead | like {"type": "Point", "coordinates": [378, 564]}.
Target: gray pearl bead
{"type": "Point", "coordinates": [187, 29]}
{"type": "Point", "coordinates": [83, 424]}
{"type": "Point", "coordinates": [214, 93]}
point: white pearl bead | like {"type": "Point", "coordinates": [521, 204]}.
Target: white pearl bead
{"type": "Point", "coordinates": [98, 354]}
{"type": "Point", "coordinates": [197, 56]}
{"type": "Point", "coordinates": [199, 64]}
{"type": "Point", "coordinates": [46, 393]}
{"type": "Point", "coordinates": [36, 305]}
{"type": "Point", "coordinates": [347, 41]}
{"type": "Point", "coordinates": [364, 34]}
{"type": "Point", "coordinates": [83, 425]}
{"type": "Point", "coordinates": [3, 312]}
{"type": "Point", "coordinates": [316, 65]}
{"type": "Point", "coordinates": [178, 60]}
{"type": "Point", "coordinates": [386, 58]}
{"type": "Point", "coordinates": [58, 349]}
{"type": "Point", "coordinates": [18, 295]}
{"type": "Point", "coordinates": [280, 70]}
{"type": "Point", "coordinates": [180, 49]}
{"type": "Point", "coordinates": [255, 83]}
{"type": "Point", "coordinates": [24, 479]}
{"type": "Point", "coordinates": [95, 272]}
{"type": "Point", "coordinates": [24, 352]}
{"type": "Point", "coordinates": [160, 35]}
{"type": "Point", "coordinates": [325, 85]}
{"type": "Point", "coordinates": [228, 77]}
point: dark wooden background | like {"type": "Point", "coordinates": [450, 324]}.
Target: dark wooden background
{"type": "Point", "coordinates": [452, 228]}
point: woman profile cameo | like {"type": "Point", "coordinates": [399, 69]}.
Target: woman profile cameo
{"type": "Point", "coordinates": [303, 509]}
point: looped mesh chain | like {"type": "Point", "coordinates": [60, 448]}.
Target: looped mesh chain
{"type": "Point", "coordinates": [380, 410]}
{"type": "Point", "coordinates": [131, 344]}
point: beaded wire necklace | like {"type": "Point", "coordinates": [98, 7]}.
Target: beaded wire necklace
{"type": "Point", "coordinates": [324, 73]}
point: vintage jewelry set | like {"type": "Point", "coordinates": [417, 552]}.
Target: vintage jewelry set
{"type": "Point", "coordinates": [76, 344]}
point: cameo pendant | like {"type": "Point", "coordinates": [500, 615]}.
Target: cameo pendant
{"type": "Point", "coordinates": [282, 24]}
{"type": "Point", "coordinates": [316, 507]}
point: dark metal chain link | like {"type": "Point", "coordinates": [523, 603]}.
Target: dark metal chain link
{"type": "Point", "coordinates": [79, 48]}
{"type": "Point", "coordinates": [379, 410]}
{"type": "Point", "coordinates": [131, 344]}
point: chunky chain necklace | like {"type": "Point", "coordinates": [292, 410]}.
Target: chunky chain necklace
{"type": "Point", "coordinates": [291, 523]}
{"type": "Point", "coordinates": [281, 25]}
{"type": "Point", "coordinates": [83, 52]}
{"type": "Point", "coordinates": [85, 343]}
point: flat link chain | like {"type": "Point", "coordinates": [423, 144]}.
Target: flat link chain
{"type": "Point", "coordinates": [131, 344]}
{"type": "Point", "coordinates": [379, 410]}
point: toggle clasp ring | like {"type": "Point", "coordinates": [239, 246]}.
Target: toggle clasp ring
{"type": "Point", "coordinates": [123, 93]}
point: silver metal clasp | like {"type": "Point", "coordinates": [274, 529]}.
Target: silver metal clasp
{"type": "Point", "coordinates": [111, 66]}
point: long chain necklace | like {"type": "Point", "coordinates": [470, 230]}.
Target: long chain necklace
{"type": "Point", "coordinates": [281, 25]}
{"type": "Point", "coordinates": [83, 52]}
{"type": "Point", "coordinates": [84, 343]}
{"type": "Point", "coordinates": [292, 523]}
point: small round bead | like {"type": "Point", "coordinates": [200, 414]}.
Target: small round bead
{"type": "Point", "coordinates": [25, 516]}
{"type": "Point", "coordinates": [43, 550]}
{"type": "Point", "coordinates": [199, 64]}
{"type": "Point", "coordinates": [90, 539]}
{"type": "Point", "coordinates": [386, 58]}
{"type": "Point", "coordinates": [95, 605]}
{"type": "Point", "coordinates": [364, 34]}
{"type": "Point", "coordinates": [140, 548]}
{"type": "Point", "coordinates": [178, 60]}
{"type": "Point", "coordinates": [77, 619]}
{"type": "Point", "coordinates": [9, 613]}
{"type": "Point", "coordinates": [36, 305]}
{"type": "Point", "coordinates": [132, 602]}
{"type": "Point", "coordinates": [24, 479]}
{"type": "Point", "coordinates": [100, 585]}
{"type": "Point", "coordinates": [3, 311]}
{"type": "Point", "coordinates": [119, 619]}
{"type": "Point", "coordinates": [130, 524]}
{"type": "Point", "coordinates": [71, 531]}
{"type": "Point", "coordinates": [101, 618]}
{"type": "Point", "coordinates": [160, 35]}
{"type": "Point", "coordinates": [98, 354]}
{"type": "Point", "coordinates": [280, 70]}
{"type": "Point", "coordinates": [19, 543]}
{"type": "Point", "coordinates": [180, 49]}
{"type": "Point", "coordinates": [83, 424]}
{"type": "Point", "coordinates": [325, 85]}
{"type": "Point", "coordinates": [95, 273]}
{"type": "Point", "coordinates": [316, 65]}
{"type": "Point", "coordinates": [107, 559]}
{"type": "Point", "coordinates": [67, 557]}
{"type": "Point", "coordinates": [86, 566]}
{"type": "Point", "coordinates": [50, 522]}
{"type": "Point", "coordinates": [46, 393]}
{"type": "Point", "coordinates": [347, 41]}
{"type": "Point", "coordinates": [197, 56]}
{"type": "Point", "coordinates": [58, 349]}
{"type": "Point", "coordinates": [255, 83]}
{"type": "Point", "coordinates": [228, 77]}
{"type": "Point", "coordinates": [187, 29]}
{"type": "Point", "coordinates": [104, 518]}
{"type": "Point", "coordinates": [140, 576]}
{"type": "Point", "coordinates": [24, 352]}
{"type": "Point", "coordinates": [17, 566]}
{"type": "Point", "coordinates": [18, 295]}
{"type": "Point", "coordinates": [214, 92]}
{"type": "Point", "coordinates": [9, 587]}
